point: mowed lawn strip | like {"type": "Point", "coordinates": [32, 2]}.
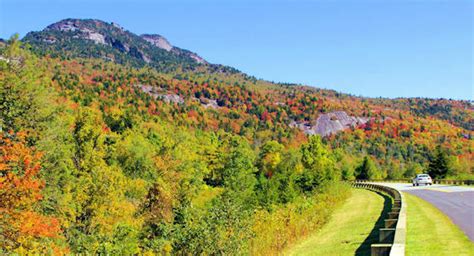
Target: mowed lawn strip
{"type": "Point", "coordinates": [430, 232]}
{"type": "Point", "coordinates": [348, 229]}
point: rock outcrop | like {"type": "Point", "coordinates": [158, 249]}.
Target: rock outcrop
{"type": "Point", "coordinates": [171, 98]}
{"type": "Point", "coordinates": [153, 92]}
{"type": "Point", "coordinates": [158, 41]}
{"type": "Point", "coordinates": [162, 43]}
{"type": "Point", "coordinates": [330, 123]}
{"type": "Point", "coordinates": [76, 26]}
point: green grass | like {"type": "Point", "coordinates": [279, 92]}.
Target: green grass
{"type": "Point", "coordinates": [351, 228]}
{"type": "Point", "coordinates": [430, 232]}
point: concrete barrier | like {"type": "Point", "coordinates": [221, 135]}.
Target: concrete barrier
{"type": "Point", "coordinates": [392, 238]}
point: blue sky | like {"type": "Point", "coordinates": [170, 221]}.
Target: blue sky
{"type": "Point", "coordinates": [369, 47]}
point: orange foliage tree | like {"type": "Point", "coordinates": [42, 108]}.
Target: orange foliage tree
{"type": "Point", "coordinates": [22, 228]}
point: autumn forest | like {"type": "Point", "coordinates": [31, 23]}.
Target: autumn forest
{"type": "Point", "coordinates": [123, 155]}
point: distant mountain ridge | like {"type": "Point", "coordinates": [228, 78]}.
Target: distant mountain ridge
{"type": "Point", "coordinates": [94, 38]}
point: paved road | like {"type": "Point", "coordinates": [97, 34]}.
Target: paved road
{"type": "Point", "coordinates": [456, 202]}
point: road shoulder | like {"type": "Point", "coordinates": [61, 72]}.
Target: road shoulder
{"type": "Point", "coordinates": [430, 232]}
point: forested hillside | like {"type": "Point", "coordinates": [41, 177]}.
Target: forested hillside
{"type": "Point", "coordinates": [118, 156]}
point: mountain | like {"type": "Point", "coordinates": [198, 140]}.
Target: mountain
{"type": "Point", "coordinates": [118, 144]}
{"type": "Point", "coordinates": [90, 38]}
{"type": "Point", "coordinates": [330, 112]}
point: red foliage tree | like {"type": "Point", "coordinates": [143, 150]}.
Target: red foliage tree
{"type": "Point", "coordinates": [21, 226]}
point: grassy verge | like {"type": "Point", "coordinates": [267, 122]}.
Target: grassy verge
{"type": "Point", "coordinates": [430, 232]}
{"type": "Point", "coordinates": [350, 230]}
{"type": "Point", "coordinates": [283, 227]}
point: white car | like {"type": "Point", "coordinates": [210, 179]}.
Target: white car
{"type": "Point", "coordinates": [422, 179]}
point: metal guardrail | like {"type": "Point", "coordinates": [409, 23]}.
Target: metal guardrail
{"type": "Point", "coordinates": [392, 238]}
{"type": "Point", "coordinates": [435, 181]}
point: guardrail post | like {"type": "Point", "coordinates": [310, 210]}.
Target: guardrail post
{"type": "Point", "coordinates": [380, 249]}
{"type": "Point", "coordinates": [395, 209]}
{"type": "Point", "coordinates": [390, 223]}
{"type": "Point", "coordinates": [397, 203]}
{"type": "Point", "coordinates": [386, 234]}
{"type": "Point", "coordinates": [393, 215]}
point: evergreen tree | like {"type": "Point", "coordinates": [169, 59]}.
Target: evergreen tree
{"type": "Point", "coordinates": [367, 170]}
{"type": "Point", "coordinates": [438, 166]}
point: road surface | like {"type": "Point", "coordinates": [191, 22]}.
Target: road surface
{"type": "Point", "coordinates": [457, 202]}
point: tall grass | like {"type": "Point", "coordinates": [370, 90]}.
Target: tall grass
{"type": "Point", "coordinates": [280, 228]}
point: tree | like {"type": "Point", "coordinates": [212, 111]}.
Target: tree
{"type": "Point", "coordinates": [394, 171]}
{"type": "Point", "coordinates": [286, 175]}
{"type": "Point", "coordinates": [90, 196]}
{"type": "Point", "coordinates": [225, 226]}
{"type": "Point", "coordinates": [25, 103]}
{"type": "Point", "coordinates": [367, 170]}
{"type": "Point", "coordinates": [439, 164]}
{"type": "Point", "coordinates": [412, 170]}
{"type": "Point", "coordinates": [269, 157]}
{"type": "Point", "coordinates": [23, 229]}
{"type": "Point", "coordinates": [318, 163]}
{"type": "Point", "coordinates": [268, 183]}
{"type": "Point", "coordinates": [239, 172]}
{"type": "Point", "coordinates": [225, 229]}
{"type": "Point", "coordinates": [135, 154]}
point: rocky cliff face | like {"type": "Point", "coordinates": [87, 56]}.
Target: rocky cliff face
{"type": "Point", "coordinates": [163, 43]}
{"type": "Point", "coordinates": [330, 123]}
{"type": "Point", "coordinates": [333, 122]}
{"type": "Point", "coordinates": [158, 41]}
{"type": "Point", "coordinates": [80, 29]}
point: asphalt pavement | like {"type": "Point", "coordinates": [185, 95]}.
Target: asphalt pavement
{"type": "Point", "coordinates": [457, 202]}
